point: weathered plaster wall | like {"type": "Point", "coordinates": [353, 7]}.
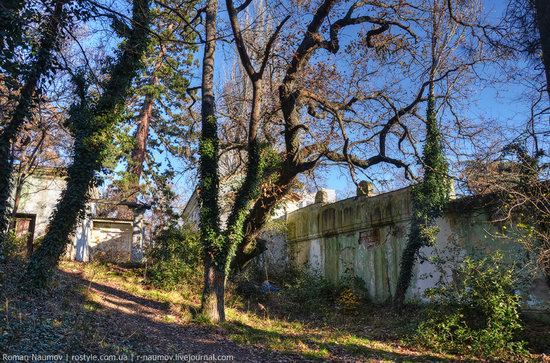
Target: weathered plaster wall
{"type": "Point", "coordinates": [365, 236]}
{"type": "Point", "coordinates": [39, 196]}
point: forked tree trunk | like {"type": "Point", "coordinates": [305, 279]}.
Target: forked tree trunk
{"type": "Point", "coordinates": [213, 293]}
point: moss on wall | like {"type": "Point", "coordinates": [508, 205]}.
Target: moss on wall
{"type": "Point", "coordinates": [365, 237]}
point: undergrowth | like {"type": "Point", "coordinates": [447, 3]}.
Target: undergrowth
{"type": "Point", "coordinates": [174, 258]}
{"type": "Point", "coordinates": [309, 316]}
{"type": "Point", "coordinates": [477, 314]}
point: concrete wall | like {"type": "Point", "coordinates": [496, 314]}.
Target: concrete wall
{"type": "Point", "coordinates": [365, 236]}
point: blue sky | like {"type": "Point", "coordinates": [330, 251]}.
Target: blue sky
{"type": "Point", "coordinates": [496, 105]}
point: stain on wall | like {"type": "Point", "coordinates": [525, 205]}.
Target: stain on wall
{"type": "Point", "coordinates": [365, 236]}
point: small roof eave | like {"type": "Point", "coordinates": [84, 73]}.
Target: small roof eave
{"type": "Point", "coordinates": [113, 220]}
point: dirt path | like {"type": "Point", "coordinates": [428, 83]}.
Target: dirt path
{"type": "Point", "coordinates": [143, 323]}
{"type": "Point", "coordinates": [109, 312]}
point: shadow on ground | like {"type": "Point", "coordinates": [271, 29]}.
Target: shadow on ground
{"type": "Point", "coordinates": [79, 316]}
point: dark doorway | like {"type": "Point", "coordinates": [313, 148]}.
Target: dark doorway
{"type": "Point", "coordinates": [24, 229]}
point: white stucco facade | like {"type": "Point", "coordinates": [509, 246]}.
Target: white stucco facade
{"type": "Point", "coordinates": [112, 239]}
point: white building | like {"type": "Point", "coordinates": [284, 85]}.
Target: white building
{"type": "Point", "coordinates": [191, 211]}
{"type": "Point", "coordinates": [97, 236]}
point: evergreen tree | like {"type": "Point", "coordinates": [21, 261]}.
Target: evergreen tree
{"type": "Point", "coordinates": [159, 122]}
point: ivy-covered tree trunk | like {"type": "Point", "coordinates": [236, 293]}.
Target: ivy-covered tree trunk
{"type": "Point", "coordinates": [41, 66]}
{"type": "Point", "coordinates": [429, 199]}
{"type": "Point", "coordinates": [66, 216]}
{"type": "Point", "coordinates": [213, 295]}
{"type": "Point", "coordinates": [212, 303]}
{"type": "Point", "coordinates": [12, 34]}
{"type": "Point", "coordinates": [250, 190]}
{"type": "Point", "coordinates": [251, 246]}
{"type": "Point", "coordinates": [542, 9]}
{"type": "Point", "coordinates": [92, 127]}
{"type": "Point", "coordinates": [408, 259]}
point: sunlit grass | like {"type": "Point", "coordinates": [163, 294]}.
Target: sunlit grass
{"type": "Point", "coordinates": [129, 280]}
{"type": "Point", "coordinates": [242, 326]}
{"type": "Point", "coordinates": [296, 337]}
{"type": "Point", "coordinates": [367, 333]}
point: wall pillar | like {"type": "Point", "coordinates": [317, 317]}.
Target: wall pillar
{"type": "Point", "coordinates": [138, 234]}
{"type": "Point", "coordinates": [83, 235]}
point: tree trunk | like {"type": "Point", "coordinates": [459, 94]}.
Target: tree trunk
{"type": "Point", "coordinates": [430, 197]}
{"type": "Point", "coordinates": [213, 293]}
{"type": "Point", "coordinates": [250, 247]}
{"type": "Point", "coordinates": [90, 126]}
{"type": "Point", "coordinates": [142, 132]}
{"type": "Point", "coordinates": [408, 259]}
{"type": "Point", "coordinates": [17, 196]}
{"type": "Point", "coordinates": [64, 220]}
{"type": "Point", "coordinates": [246, 252]}
{"type": "Point", "coordinates": [140, 147]}
{"type": "Point", "coordinates": [542, 9]}
{"type": "Point", "coordinates": [22, 111]}
{"type": "Point", "coordinates": [212, 240]}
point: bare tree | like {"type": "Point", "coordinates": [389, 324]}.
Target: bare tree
{"type": "Point", "coordinates": [334, 117]}
{"type": "Point", "coordinates": [514, 182]}
{"type": "Point", "coordinates": [305, 107]}
{"type": "Point", "coordinates": [43, 143]}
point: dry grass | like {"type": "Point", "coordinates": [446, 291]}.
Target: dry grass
{"type": "Point", "coordinates": [76, 316]}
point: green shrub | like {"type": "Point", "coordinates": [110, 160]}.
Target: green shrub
{"type": "Point", "coordinates": [174, 258]}
{"type": "Point", "coordinates": [314, 293]}
{"type": "Point", "coordinates": [15, 247]}
{"type": "Point", "coordinates": [308, 289]}
{"type": "Point", "coordinates": [477, 314]}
